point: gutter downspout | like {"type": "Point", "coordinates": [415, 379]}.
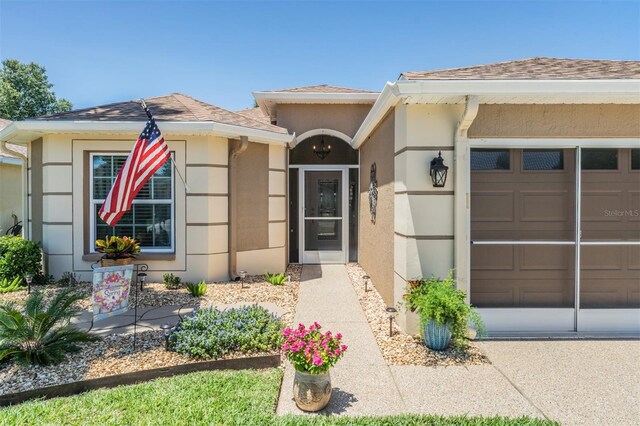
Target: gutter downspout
{"type": "Point", "coordinates": [462, 222]}
{"type": "Point", "coordinates": [4, 149]}
{"type": "Point", "coordinates": [234, 153]}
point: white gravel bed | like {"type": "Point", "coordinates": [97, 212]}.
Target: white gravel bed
{"type": "Point", "coordinates": [401, 348]}
{"type": "Point", "coordinates": [113, 355]}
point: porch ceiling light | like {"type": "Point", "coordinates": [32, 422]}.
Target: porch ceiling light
{"type": "Point", "coordinates": [323, 151]}
{"type": "Point", "coordinates": [438, 171]}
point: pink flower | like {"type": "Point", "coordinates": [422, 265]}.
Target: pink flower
{"type": "Point", "coordinates": [343, 347]}
{"type": "Point", "coordinates": [316, 325]}
{"type": "Point", "coordinates": [317, 360]}
{"type": "Point", "coordinates": [287, 332]}
{"type": "Point", "coordinates": [336, 352]}
{"type": "Point", "coordinates": [285, 347]}
{"type": "Point", "coordinates": [338, 336]}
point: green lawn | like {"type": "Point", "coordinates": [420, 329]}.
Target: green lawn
{"type": "Point", "coordinates": [209, 398]}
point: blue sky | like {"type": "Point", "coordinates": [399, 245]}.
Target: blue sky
{"type": "Point", "coordinates": [101, 52]}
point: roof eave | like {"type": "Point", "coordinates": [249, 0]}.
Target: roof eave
{"type": "Point", "coordinates": [21, 132]}
{"type": "Point", "coordinates": [498, 91]}
{"type": "Point", "coordinates": [267, 100]}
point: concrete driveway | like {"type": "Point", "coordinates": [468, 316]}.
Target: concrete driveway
{"type": "Point", "coordinates": [576, 382]}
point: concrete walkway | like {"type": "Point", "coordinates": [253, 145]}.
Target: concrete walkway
{"type": "Point", "coordinates": [575, 382]}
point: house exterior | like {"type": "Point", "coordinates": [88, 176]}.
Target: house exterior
{"type": "Point", "coordinates": [539, 217]}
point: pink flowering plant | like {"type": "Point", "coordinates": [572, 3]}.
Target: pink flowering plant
{"type": "Point", "coordinates": [310, 350]}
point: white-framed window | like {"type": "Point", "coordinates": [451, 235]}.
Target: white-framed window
{"type": "Point", "coordinates": [151, 220]}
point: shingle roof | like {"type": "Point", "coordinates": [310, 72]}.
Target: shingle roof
{"type": "Point", "coordinates": [173, 107]}
{"type": "Point", "coordinates": [255, 114]}
{"type": "Point", "coordinates": [536, 69]}
{"type": "Point", "coordinates": [321, 88]}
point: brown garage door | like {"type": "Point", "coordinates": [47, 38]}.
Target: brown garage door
{"type": "Point", "coordinates": [523, 224]}
{"type": "Point", "coordinates": [610, 256]}
{"type": "Point", "coordinates": [522, 228]}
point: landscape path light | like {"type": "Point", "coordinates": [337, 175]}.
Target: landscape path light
{"type": "Point", "coordinates": [142, 276]}
{"type": "Point", "coordinates": [243, 275]}
{"type": "Point", "coordinates": [392, 313]}
{"type": "Point", "coordinates": [366, 279]}
{"type": "Point", "coordinates": [29, 279]}
{"type": "Point", "coordinates": [166, 330]}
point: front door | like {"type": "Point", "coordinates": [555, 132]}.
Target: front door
{"type": "Point", "coordinates": [323, 216]}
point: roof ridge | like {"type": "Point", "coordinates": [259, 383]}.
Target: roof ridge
{"type": "Point", "coordinates": [532, 58]}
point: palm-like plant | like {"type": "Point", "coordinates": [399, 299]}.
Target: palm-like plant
{"type": "Point", "coordinates": [41, 334]}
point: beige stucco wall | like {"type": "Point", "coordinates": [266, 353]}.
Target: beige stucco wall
{"type": "Point", "coordinates": [423, 226]}
{"type": "Point", "coordinates": [201, 215]}
{"type": "Point", "coordinates": [300, 118]}
{"type": "Point", "coordinates": [10, 193]}
{"type": "Point", "coordinates": [560, 121]}
{"type": "Point", "coordinates": [262, 228]}
{"type": "Point", "coordinates": [376, 240]}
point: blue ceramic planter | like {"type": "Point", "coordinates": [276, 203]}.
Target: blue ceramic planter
{"type": "Point", "coordinates": [437, 336]}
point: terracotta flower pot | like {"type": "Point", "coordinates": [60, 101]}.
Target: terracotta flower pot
{"type": "Point", "coordinates": [311, 391]}
{"type": "Point", "coordinates": [116, 262]}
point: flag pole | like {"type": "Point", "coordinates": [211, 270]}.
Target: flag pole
{"type": "Point", "coordinates": [186, 187]}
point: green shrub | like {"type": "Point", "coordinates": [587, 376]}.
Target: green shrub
{"type": "Point", "coordinates": [276, 279]}
{"type": "Point", "coordinates": [197, 290]}
{"type": "Point", "coordinates": [211, 333]}
{"type": "Point", "coordinates": [439, 300]}
{"type": "Point", "coordinates": [41, 334]}
{"type": "Point", "coordinates": [19, 257]}
{"type": "Point", "coordinates": [8, 286]}
{"type": "Point", "coordinates": [67, 279]}
{"type": "Point", "coordinates": [171, 281]}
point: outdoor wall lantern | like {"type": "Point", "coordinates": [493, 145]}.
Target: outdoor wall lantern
{"type": "Point", "coordinates": [243, 275]}
{"type": "Point", "coordinates": [29, 279]}
{"type": "Point", "coordinates": [166, 329]}
{"type": "Point", "coordinates": [438, 171]}
{"type": "Point", "coordinates": [392, 313]}
{"type": "Point", "coordinates": [323, 151]}
{"type": "Point", "coordinates": [366, 279]}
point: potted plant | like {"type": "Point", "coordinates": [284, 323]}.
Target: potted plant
{"type": "Point", "coordinates": [312, 354]}
{"type": "Point", "coordinates": [117, 250]}
{"type": "Point", "coordinates": [444, 314]}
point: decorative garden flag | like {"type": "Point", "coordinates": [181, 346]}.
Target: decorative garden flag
{"type": "Point", "coordinates": [111, 287]}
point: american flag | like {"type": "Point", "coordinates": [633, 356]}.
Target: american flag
{"type": "Point", "coordinates": [148, 154]}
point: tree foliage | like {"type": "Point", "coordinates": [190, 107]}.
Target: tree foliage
{"type": "Point", "coordinates": [25, 91]}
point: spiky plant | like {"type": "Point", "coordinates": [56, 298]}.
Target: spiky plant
{"type": "Point", "coordinates": [115, 247]}
{"type": "Point", "coordinates": [197, 290]}
{"type": "Point", "coordinates": [276, 279]}
{"type": "Point", "coordinates": [41, 333]}
{"type": "Point", "coordinates": [7, 286]}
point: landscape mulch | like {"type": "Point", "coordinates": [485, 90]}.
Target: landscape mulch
{"type": "Point", "coordinates": [402, 348]}
{"type": "Point", "coordinates": [114, 354]}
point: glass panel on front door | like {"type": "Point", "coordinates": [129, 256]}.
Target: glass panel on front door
{"type": "Point", "coordinates": [323, 211]}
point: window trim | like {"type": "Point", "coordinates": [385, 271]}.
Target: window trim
{"type": "Point", "coordinates": [92, 202]}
